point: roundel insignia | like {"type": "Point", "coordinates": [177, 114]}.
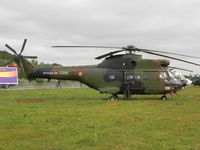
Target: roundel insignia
{"type": "Point", "coordinates": [80, 74]}
{"type": "Point", "coordinates": [14, 65]}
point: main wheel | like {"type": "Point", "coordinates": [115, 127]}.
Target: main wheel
{"type": "Point", "coordinates": [113, 97]}
{"type": "Point", "coordinates": [163, 98]}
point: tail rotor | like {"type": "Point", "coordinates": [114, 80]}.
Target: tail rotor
{"type": "Point", "coordinates": [18, 57]}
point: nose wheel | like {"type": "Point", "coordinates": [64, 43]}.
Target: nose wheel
{"type": "Point", "coordinates": [164, 97]}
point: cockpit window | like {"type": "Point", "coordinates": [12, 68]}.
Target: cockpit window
{"type": "Point", "coordinates": [174, 80]}
{"type": "Point", "coordinates": [130, 77]}
{"type": "Point", "coordinates": [111, 77]}
{"type": "Point", "coordinates": [171, 75]}
{"type": "Point", "coordinates": [137, 77]}
{"type": "Point", "coordinates": [163, 75]}
{"type": "Point", "coordinates": [150, 75]}
{"type": "Point", "coordinates": [178, 75]}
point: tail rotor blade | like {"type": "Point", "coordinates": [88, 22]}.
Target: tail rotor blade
{"type": "Point", "coordinates": [23, 46]}
{"type": "Point", "coordinates": [11, 61]}
{"type": "Point", "coordinates": [22, 67]}
{"type": "Point", "coordinates": [10, 48]}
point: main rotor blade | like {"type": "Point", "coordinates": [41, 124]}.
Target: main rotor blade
{"type": "Point", "coordinates": [170, 57]}
{"type": "Point", "coordinates": [169, 53]}
{"type": "Point", "coordinates": [31, 57]}
{"type": "Point", "coordinates": [128, 48]}
{"type": "Point", "coordinates": [10, 48]}
{"type": "Point", "coordinates": [23, 46]}
{"type": "Point", "coordinates": [88, 47]}
{"type": "Point", "coordinates": [108, 54]}
{"type": "Point", "coordinates": [180, 69]}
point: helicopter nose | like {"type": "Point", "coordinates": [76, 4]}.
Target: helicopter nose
{"type": "Point", "coordinates": [184, 83]}
{"type": "Point", "coordinates": [173, 85]}
{"type": "Point", "coordinates": [177, 85]}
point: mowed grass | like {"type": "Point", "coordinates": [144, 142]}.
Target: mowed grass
{"type": "Point", "coordinates": [83, 119]}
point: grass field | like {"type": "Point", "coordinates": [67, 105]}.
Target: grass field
{"type": "Point", "coordinates": [83, 119]}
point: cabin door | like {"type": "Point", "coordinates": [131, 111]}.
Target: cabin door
{"type": "Point", "coordinates": [134, 79]}
{"type": "Point", "coordinates": [152, 82]}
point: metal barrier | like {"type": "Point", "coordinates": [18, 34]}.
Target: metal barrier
{"type": "Point", "coordinates": [45, 85]}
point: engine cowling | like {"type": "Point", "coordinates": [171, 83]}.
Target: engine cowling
{"type": "Point", "coordinates": [164, 62]}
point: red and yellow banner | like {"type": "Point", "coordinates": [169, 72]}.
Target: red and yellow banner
{"type": "Point", "coordinates": [8, 75]}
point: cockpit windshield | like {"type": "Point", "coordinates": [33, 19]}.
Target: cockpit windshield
{"type": "Point", "coordinates": [178, 75]}
{"type": "Point", "coordinates": [171, 75]}
{"type": "Point", "coordinates": [163, 75]}
{"type": "Point", "coordinates": [173, 78]}
{"type": "Point", "coordinates": [167, 75]}
{"type": "Point", "coordinates": [170, 80]}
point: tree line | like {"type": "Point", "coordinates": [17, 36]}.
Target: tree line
{"type": "Point", "coordinates": [6, 56]}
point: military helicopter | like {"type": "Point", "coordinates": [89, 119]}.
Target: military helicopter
{"type": "Point", "coordinates": [126, 74]}
{"type": "Point", "coordinates": [196, 81]}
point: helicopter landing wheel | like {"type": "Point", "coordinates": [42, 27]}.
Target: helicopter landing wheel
{"type": "Point", "coordinates": [164, 97]}
{"type": "Point", "coordinates": [114, 97]}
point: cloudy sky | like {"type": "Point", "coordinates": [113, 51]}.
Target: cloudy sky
{"type": "Point", "coordinates": [166, 25]}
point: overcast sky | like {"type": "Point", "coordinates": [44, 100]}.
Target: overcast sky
{"type": "Point", "coordinates": [166, 25]}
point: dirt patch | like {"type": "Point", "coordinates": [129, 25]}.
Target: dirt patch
{"type": "Point", "coordinates": [3, 95]}
{"type": "Point", "coordinates": [30, 100]}
{"type": "Point", "coordinates": [40, 136]}
{"type": "Point", "coordinates": [7, 128]}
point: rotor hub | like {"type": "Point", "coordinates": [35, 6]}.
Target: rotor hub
{"type": "Point", "coordinates": [130, 48]}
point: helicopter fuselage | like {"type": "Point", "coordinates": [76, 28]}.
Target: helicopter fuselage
{"type": "Point", "coordinates": [116, 73]}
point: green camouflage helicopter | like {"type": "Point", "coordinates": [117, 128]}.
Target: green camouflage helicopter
{"type": "Point", "coordinates": [196, 81]}
{"type": "Point", "coordinates": [126, 74]}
